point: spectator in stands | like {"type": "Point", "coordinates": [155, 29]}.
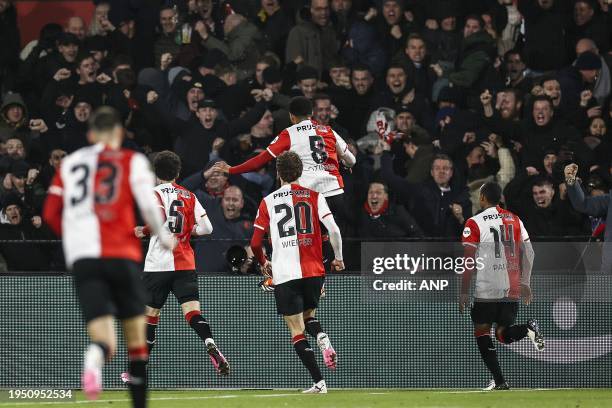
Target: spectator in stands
{"type": "Point", "coordinates": [379, 218]}
{"type": "Point", "coordinates": [75, 25]}
{"type": "Point", "coordinates": [168, 40]}
{"type": "Point", "coordinates": [588, 24]}
{"type": "Point", "coordinates": [275, 25]}
{"type": "Point", "coordinates": [545, 28]}
{"type": "Point", "coordinates": [548, 215]}
{"type": "Point", "coordinates": [440, 206]}
{"type": "Point", "coordinates": [354, 110]}
{"type": "Point", "coordinates": [393, 27]}
{"type": "Point", "coordinates": [313, 41]}
{"type": "Point", "coordinates": [242, 46]}
{"type": "Point", "coordinates": [15, 225]}
{"type": "Point", "coordinates": [230, 228]}
{"type": "Point", "coordinates": [417, 65]}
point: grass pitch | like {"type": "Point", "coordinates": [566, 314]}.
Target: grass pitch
{"type": "Point", "coordinates": [571, 398]}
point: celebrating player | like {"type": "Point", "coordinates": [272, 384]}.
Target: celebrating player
{"type": "Point", "coordinates": [320, 149]}
{"type": "Point", "coordinates": [174, 270]}
{"type": "Point", "coordinates": [498, 238]}
{"type": "Point", "coordinates": [291, 217]}
{"type": "Point", "coordinates": [91, 203]}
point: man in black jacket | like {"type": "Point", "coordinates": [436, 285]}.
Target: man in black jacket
{"type": "Point", "coordinates": [23, 256]}
{"type": "Point", "coordinates": [204, 132]}
{"type": "Point", "coordinates": [441, 207]}
{"type": "Point", "coordinates": [381, 219]}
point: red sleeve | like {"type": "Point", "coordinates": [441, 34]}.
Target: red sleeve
{"type": "Point", "coordinates": [281, 143]}
{"type": "Point", "coordinates": [262, 219]}
{"type": "Point", "coordinates": [54, 203]}
{"type": "Point", "coordinates": [470, 239]}
{"type": "Point", "coordinates": [261, 224]}
{"type": "Point", "coordinates": [253, 164]}
{"type": "Point", "coordinates": [471, 233]}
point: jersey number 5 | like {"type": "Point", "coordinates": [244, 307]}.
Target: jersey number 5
{"type": "Point", "coordinates": [303, 219]}
{"type": "Point", "coordinates": [175, 224]}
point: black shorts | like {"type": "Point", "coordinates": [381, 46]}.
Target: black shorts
{"type": "Point", "coordinates": [108, 287]}
{"type": "Point", "coordinates": [297, 295]}
{"type": "Point", "coordinates": [502, 313]}
{"type": "Point", "coordinates": [183, 284]}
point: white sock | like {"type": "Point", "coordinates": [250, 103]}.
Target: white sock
{"type": "Point", "coordinates": [94, 358]}
{"type": "Point", "coordinates": [209, 341]}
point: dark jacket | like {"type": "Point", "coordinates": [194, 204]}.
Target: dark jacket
{"type": "Point", "coordinates": [395, 222]}
{"type": "Point", "coordinates": [318, 46]}
{"type": "Point", "coordinates": [545, 47]}
{"type": "Point", "coordinates": [600, 206]}
{"type": "Point", "coordinates": [23, 256]}
{"type": "Point", "coordinates": [428, 203]}
{"type": "Point", "coordinates": [242, 46]}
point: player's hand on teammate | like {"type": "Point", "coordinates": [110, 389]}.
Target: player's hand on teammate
{"type": "Point", "coordinates": [221, 166]}
{"type": "Point", "coordinates": [464, 301]}
{"type": "Point", "coordinates": [570, 172]}
{"type": "Point", "coordinates": [526, 294]}
{"type": "Point", "coordinates": [337, 265]}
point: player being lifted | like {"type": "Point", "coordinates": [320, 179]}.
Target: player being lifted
{"type": "Point", "coordinates": [500, 240]}
{"type": "Point", "coordinates": [320, 149]}
{"type": "Point", "coordinates": [91, 204]}
{"type": "Point", "coordinates": [291, 217]}
{"type": "Point", "coordinates": [173, 271]}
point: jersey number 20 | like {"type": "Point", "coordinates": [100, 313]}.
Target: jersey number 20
{"type": "Point", "coordinates": [303, 219]}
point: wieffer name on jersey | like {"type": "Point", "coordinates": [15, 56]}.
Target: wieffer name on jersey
{"type": "Point", "coordinates": [498, 236]}
{"type": "Point", "coordinates": [291, 216]}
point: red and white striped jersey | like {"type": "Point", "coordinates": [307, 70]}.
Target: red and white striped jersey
{"type": "Point", "coordinates": [181, 211]}
{"type": "Point", "coordinates": [291, 217]}
{"type": "Point", "coordinates": [498, 236]}
{"type": "Point", "coordinates": [318, 146]}
{"type": "Point", "coordinates": [99, 188]}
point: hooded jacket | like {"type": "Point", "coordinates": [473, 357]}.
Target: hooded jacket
{"type": "Point", "coordinates": [6, 129]}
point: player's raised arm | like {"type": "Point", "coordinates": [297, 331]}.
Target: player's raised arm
{"type": "Point", "coordinates": [142, 182]}
{"type": "Point", "coordinates": [202, 222]}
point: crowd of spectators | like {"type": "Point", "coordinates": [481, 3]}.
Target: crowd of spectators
{"type": "Point", "coordinates": [434, 97]}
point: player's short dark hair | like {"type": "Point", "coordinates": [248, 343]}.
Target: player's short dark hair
{"type": "Point", "coordinates": [300, 106]}
{"type": "Point", "coordinates": [167, 165]}
{"type": "Point", "coordinates": [105, 119]}
{"type": "Point", "coordinates": [492, 192]}
{"type": "Point", "coordinates": [289, 166]}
